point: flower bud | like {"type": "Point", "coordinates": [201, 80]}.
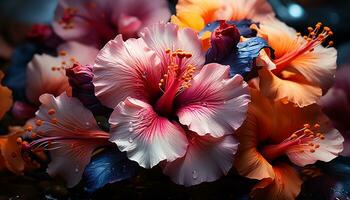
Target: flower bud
{"type": "Point", "coordinates": [80, 79]}
{"type": "Point", "coordinates": [224, 40]}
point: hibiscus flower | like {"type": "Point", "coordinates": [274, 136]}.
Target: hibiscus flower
{"type": "Point", "coordinates": [46, 74]}
{"type": "Point", "coordinates": [276, 136]}
{"type": "Point", "coordinates": [95, 22]}
{"type": "Point", "coordinates": [302, 67]}
{"type": "Point", "coordinates": [69, 132]}
{"type": "Point", "coordinates": [168, 106]}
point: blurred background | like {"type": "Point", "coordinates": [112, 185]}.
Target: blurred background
{"type": "Point", "coordinates": [16, 18]}
{"type": "Point", "coordinates": [17, 15]}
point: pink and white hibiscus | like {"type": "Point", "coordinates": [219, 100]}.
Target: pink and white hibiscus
{"type": "Point", "coordinates": [69, 132]}
{"type": "Point", "coordinates": [46, 74]}
{"type": "Point", "coordinates": [95, 22]}
{"type": "Point", "coordinates": [168, 106]}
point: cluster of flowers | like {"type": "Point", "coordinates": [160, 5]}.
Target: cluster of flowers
{"type": "Point", "coordinates": [224, 85]}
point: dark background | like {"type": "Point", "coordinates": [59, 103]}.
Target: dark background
{"type": "Point", "coordinates": [16, 16]}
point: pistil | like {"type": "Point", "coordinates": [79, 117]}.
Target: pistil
{"type": "Point", "coordinates": [175, 80]}
{"type": "Point", "coordinates": [305, 137]}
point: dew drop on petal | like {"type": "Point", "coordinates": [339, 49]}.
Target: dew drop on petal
{"type": "Point", "coordinates": [194, 174]}
{"type": "Point", "coordinates": [131, 129]}
{"type": "Point", "coordinates": [76, 170]}
{"type": "Point", "coordinates": [130, 140]}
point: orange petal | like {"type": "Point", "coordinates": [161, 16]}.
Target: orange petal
{"type": "Point", "coordinates": [299, 93]}
{"type": "Point", "coordinates": [249, 162]}
{"type": "Point", "coordinates": [11, 151]}
{"type": "Point", "coordinates": [5, 98]}
{"type": "Point", "coordinates": [286, 185]}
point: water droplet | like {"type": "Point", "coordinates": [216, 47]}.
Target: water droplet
{"type": "Point", "coordinates": [87, 123]}
{"type": "Point", "coordinates": [131, 140]}
{"type": "Point", "coordinates": [194, 174]}
{"type": "Point", "coordinates": [76, 170]}
{"type": "Point", "coordinates": [131, 129]}
{"type": "Point", "coordinates": [144, 75]}
{"type": "Point", "coordinates": [224, 102]}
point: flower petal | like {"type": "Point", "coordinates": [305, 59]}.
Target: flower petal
{"type": "Point", "coordinates": [125, 69]}
{"type": "Point", "coordinates": [160, 37]}
{"type": "Point", "coordinates": [82, 53]}
{"type": "Point", "coordinates": [146, 137]}
{"type": "Point", "coordinates": [42, 79]}
{"type": "Point", "coordinates": [302, 94]}
{"type": "Point", "coordinates": [81, 30]}
{"type": "Point", "coordinates": [5, 98]}
{"type": "Point", "coordinates": [286, 185]}
{"type": "Point", "coordinates": [317, 66]}
{"type": "Point", "coordinates": [328, 149]}
{"type": "Point", "coordinates": [108, 167]}
{"type": "Point", "coordinates": [256, 10]}
{"type": "Point", "coordinates": [10, 151]}
{"type": "Point", "coordinates": [65, 118]}
{"type": "Point", "coordinates": [248, 161]}
{"type": "Point", "coordinates": [206, 160]}
{"type": "Point", "coordinates": [215, 104]}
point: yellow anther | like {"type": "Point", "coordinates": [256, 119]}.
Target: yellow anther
{"type": "Point", "coordinates": [29, 128]}
{"type": "Point", "coordinates": [54, 120]}
{"type": "Point", "coordinates": [33, 135]}
{"type": "Point", "coordinates": [62, 53]}
{"type": "Point", "coordinates": [51, 111]}
{"type": "Point", "coordinates": [307, 126]}
{"type": "Point", "coordinates": [317, 126]}
{"type": "Point", "coordinates": [308, 131]}
{"type": "Point", "coordinates": [19, 140]}
{"type": "Point", "coordinates": [38, 122]}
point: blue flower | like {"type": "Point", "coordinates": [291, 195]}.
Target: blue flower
{"type": "Point", "coordinates": [108, 167]}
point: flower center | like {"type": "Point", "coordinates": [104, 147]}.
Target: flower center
{"type": "Point", "coordinates": [315, 38]}
{"type": "Point", "coordinates": [306, 138]}
{"type": "Point", "coordinates": [176, 79]}
{"type": "Point", "coordinates": [95, 18]}
{"type": "Point", "coordinates": [66, 62]}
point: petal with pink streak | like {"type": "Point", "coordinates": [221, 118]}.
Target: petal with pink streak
{"type": "Point", "coordinates": [82, 53]}
{"type": "Point", "coordinates": [329, 148]}
{"type": "Point", "coordinates": [146, 137]}
{"type": "Point", "coordinates": [125, 69]}
{"type": "Point", "coordinates": [160, 37]}
{"type": "Point", "coordinates": [42, 79]}
{"type": "Point", "coordinates": [144, 12]}
{"type": "Point", "coordinates": [206, 160]}
{"type": "Point", "coordinates": [81, 134]}
{"type": "Point", "coordinates": [256, 10]}
{"type": "Point", "coordinates": [81, 30]}
{"type": "Point", "coordinates": [215, 104]}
